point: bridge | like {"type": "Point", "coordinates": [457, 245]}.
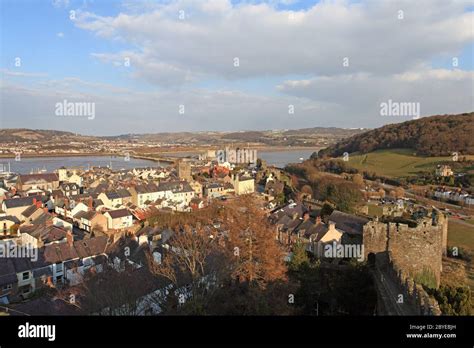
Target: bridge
{"type": "Point", "coordinates": [170, 160]}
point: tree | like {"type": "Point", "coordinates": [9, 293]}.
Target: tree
{"type": "Point", "coordinates": [358, 180]}
{"type": "Point", "coordinates": [113, 292]}
{"type": "Point", "coordinates": [193, 261]}
{"type": "Point", "coordinates": [299, 256]}
{"type": "Point", "coordinates": [239, 264]}
{"type": "Point", "coordinates": [453, 300]}
{"type": "Point", "coordinates": [14, 229]}
{"type": "Point", "coordinates": [307, 191]}
{"type": "Point", "coordinates": [399, 192]}
{"type": "Point", "coordinates": [326, 210]}
{"type": "Point", "coordinates": [258, 259]}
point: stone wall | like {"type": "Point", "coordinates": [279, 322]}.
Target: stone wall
{"type": "Point", "coordinates": [414, 249]}
{"type": "Point", "coordinates": [413, 293]}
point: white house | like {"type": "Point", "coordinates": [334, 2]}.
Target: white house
{"type": "Point", "coordinates": [118, 219]}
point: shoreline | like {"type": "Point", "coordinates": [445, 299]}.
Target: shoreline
{"type": "Point", "coordinates": [164, 153]}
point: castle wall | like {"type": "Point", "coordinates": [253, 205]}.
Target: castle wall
{"type": "Point", "coordinates": [413, 293]}
{"type": "Point", "coordinates": [413, 249]}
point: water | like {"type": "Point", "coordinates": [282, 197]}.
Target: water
{"type": "Point", "coordinates": [278, 158]}
{"type": "Point", "coordinates": [281, 158]}
{"type": "Point", "coordinates": [50, 164]}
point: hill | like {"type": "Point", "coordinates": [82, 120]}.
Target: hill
{"type": "Point", "coordinates": [40, 135]}
{"type": "Point", "coordinates": [310, 137]}
{"type": "Point", "coordinates": [439, 135]}
{"type": "Point", "coordinates": [396, 162]}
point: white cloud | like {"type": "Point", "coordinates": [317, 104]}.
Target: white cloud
{"type": "Point", "coordinates": [12, 73]}
{"type": "Point", "coordinates": [439, 91]}
{"type": "Point", "coordinates": [302, 50]}
{"type": "Point", "coordinates": [60, 3]}
{"type": "Point", "coordinates": [271, 42]}
{"type": "Point", "coordinates": [131, 111]}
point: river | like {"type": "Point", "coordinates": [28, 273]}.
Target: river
{"type": "Point", "coordinates": [278, 158]}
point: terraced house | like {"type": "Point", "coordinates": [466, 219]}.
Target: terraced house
{"type": "Point", "coordinates": [42, 181]}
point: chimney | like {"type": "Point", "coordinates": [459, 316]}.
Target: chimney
{"type": "Point", "coordinates": [90, 203]}
{"type": "Point", "coordinates": [318, 220]}
{"type": "Point", "coordinates": [49, 222]}
{"type": "Point", "coordinates": [305, 216]}
{"type": "Point", "coordinates": [38, 204]}
{"type": "Point", "coordinates": [332, 225]}
{"type": "Point", "coordinates": [34, 201]}
{"type": "Point", "coordinates": [69, 238]}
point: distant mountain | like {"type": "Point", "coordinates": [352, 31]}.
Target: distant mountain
{"type": "Point", "coordinates": [439, 135]}
{"type": "Point", "coordinates": [23, 135]}
{"type": "Point", "coordinates": [317, 137]}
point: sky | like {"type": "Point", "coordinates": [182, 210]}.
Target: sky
{"type": "Point", "coordinates": [165, 66]}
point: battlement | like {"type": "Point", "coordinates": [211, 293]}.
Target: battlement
{"type": "Point", "coordinates": [415, 250]}
{"type": "Point", "coordinates": [413, 293]}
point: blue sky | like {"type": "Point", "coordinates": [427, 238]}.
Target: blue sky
{"type": "Point", "coordinates": [283, 62]}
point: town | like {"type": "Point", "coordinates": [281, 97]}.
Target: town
{"type": "Point", "coordinates": [236, 171]}
{"type": "Point", "coordinates": [78, 221]}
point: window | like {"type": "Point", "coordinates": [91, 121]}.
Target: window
{"type": "Point", "coordinates": [87, 262]}
{"type": "Point", "coordinates": [26, 275]}
{"type": "Point", "coordinates": [59, 267]}
{"type": "Point", "coordinates": [7, 287]}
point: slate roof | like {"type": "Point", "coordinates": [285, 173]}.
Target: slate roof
{"type": "Point", "coordinates": [7, 271]}
{"type": "Point", "coordinates": [21, 202]}
{"type": "Point", "coordinates": [11, 218]}
{"type": "Point", "coordinates": [31, 178]}
{"type": "Point", "coordinates": [30, 211]}
{"type": "Point", "coordinates": [115, 214]}
{"type": "Point", "coordinates": [147, 188]}
{"type": "Point", "coordinates": [348, 223]}
{"type": "Point", "coordinates": [47, 234]}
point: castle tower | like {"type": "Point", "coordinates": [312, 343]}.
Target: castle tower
{"type": "Point", "coordinates": [184, 171]}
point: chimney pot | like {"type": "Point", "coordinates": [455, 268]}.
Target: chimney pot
{"type": "Point", "coordinates": [69, 238]}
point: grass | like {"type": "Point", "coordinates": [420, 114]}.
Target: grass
{"type": "Point", "coordinates": [395, 162]}
{"type": "Point", "coordinates": [470, 221]}
{"type": "Point", "coordinates": [375, 210]}
{"type": "Point", "coordinates": [460, 235]}
{"type": "Point", "coordinates": [426, 277]}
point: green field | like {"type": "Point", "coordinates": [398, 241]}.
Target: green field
{"type": "Point", "coordinates": [460, 235]}
{"type": "Point", "coordinates": [394, 162]}
{"type": "Point", "coordinates": [375, 210]}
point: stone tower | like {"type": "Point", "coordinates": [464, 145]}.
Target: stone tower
{"type": "Point", "coordinates": [184, 171]}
